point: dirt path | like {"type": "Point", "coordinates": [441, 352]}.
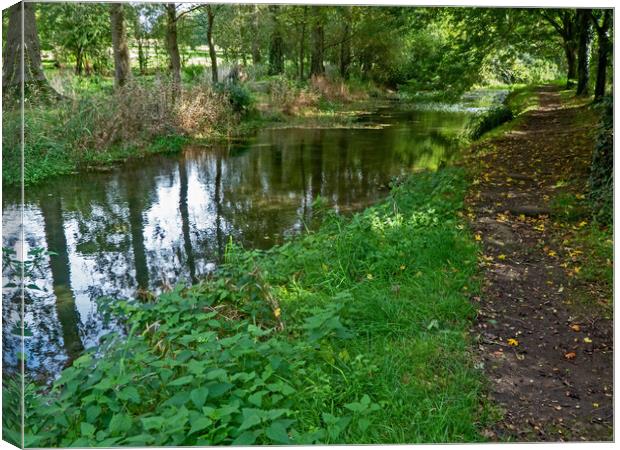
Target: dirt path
{"type": "Point", "coordinates": [550, 366]}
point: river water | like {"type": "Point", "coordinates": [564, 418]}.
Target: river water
{"type": "Point", "coordinates": [167, 219]}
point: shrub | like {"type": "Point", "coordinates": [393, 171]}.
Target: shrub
{"type": "Point", "coordinates": [240, 98]}
{"type": "Point", "coordinates": [601, 181]}
{"type": "Point", "coordinates": [494, 117]}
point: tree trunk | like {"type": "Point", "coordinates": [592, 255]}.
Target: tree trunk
{"type": "Point", "coordinates": [122, 69]}
{"type": "Point", "coordinates": [571, 63]}
{"type": "Point", "coordinates": [33, 76]}
{"type": "Point", "coordinates": [318, 48]}
{"type": "Point", "coordinates": [345, 47]}
{"type": "Point", "coordinates": [173, 44]}
{"type": "Point", "coordinates": [585, 38]}
{"type": "Point", "coordinates": [212, 54]}
{"type": "Point", "coordinates": [603, 53]}
{"type": "Point", "coordinates": [276, 46]}
{"type": "Point", "coordinates": [302, 44]}
{"type": "Point", "coordinates": [256, 56]}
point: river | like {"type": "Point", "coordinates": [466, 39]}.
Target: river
{"type": "Point", "coordinates": [152, 223]}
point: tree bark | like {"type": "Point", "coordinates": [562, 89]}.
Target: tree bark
{"type": "Point", "coordinates": [173, 44]}
{"type": "Point", "coordinates": [33, 76]}
{"type": "Point", "coordinates": [571, 63]}
{"type": "Point", "coordinates": [256, 56]}
{"type": "Point", "coordinates": [302, 44]}
{"type": "Point", "coordinates": [604, 47]}
{"type": "Point", "coordinates": [276, 46]}
{"type": "Point", "coordinates": [318, 48]}
{"type": "Point", "coordinates": [212, 53]}
{"type": "Point", "coordinates": [122, 69]}
{"type": "Point", "coordinates": [345, 46]}
{"type": "Point", "coordinates": [585, 39]}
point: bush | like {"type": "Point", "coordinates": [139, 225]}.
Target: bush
{"type": "Point", "coordinates": [194, 72]}
{"type": "Point", "coordinates": [240, 98]}
{"type": "Point", "coordinates": [601, 181]}
{"type": "Point", "coordinates": [494, 117]}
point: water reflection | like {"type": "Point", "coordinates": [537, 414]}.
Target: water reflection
{"type": "Point", "coordinates": [156, 222]}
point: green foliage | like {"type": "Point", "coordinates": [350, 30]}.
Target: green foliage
{"type": "Point", "coordinates": [351, 334]}
{"type": "Point", "coordinates": [601, 182]}
{"type": "Point", "coordinates": [240, 97]}
{"type": "Point", "coordinates": [486, 121]}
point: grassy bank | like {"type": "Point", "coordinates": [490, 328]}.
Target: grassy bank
{"type": "Point", "coordinates": [355, 333]}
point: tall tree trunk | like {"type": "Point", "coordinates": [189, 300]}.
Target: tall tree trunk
{"type": "Point", "coordinates": [345, 46]}
{"type": "Point", "coordinates": [276, 46]}
{"type": "Point", "coordinates": [173, 44]}
{"type": "Point", "coordinates": [68, 315]}
{"type": "Point", "coordinates": [256, 56]}
{"type": "Point", "coordinates": [302, 44]}
{"type": "Point", "coordinates": [122, 69]}
{"type": "Point", "coordinates": [318, 48]}
{"type": "Point", "coordinates": [603, 53]}
{"type": "Point", "coordinates": [212, 53]}
{"type": "Point", "coordinates": [571, 63]}
{"type": "Point", "coordinates": [33, 76]}
{"type": "Point", "coordinates": [585, 39]}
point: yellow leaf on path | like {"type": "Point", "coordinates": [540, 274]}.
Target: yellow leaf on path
{"type": "Point", "coordinates": [502, 257]}
{"type": "Point", "coordinates": [477, 237]}
{"type": "Point", "coordinates": [587, 340]}
{"type": "Point", "coordinates": [512, 342]}
{"type": "Point", "coordinates": [575, 327]}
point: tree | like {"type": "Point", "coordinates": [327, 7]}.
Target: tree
{"type": "Point", "coordinates": [565, 24]}
{"type": "Point", "coordinates": [122, 69]}
{"type": "Point", "coordinates": [172, 43]}
{"type": "Point", "coordinates": [345, 43]}
{"type": "Point", "coordinates": [276, 45]}
{"type": "Point", "coordinates": [33, 76]}
{"type": "Point", "coordinates": [585, 40]}
{"type": "Point", "coordinates": [318, 43]}
{"type": "Point", "coordinates": [212, 54]}
{"type": "Point", "coordinates": [602, 21]}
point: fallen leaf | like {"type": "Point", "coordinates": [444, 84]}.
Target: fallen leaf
{"type": "Point", "coordinates": [512, 342]}
{"type": "Point", "coordinates": [575, 327]}
{"type": "Point", "coordinates": [570, 355]}
{"type": "Point", "coordinates": [587, 340]}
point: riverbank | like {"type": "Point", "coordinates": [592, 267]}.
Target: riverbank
{"type": "Point", "coordinates": [545, 309]}
{"type": "Point", "coordinates": [95, 127]}
{"type": "Point", "coordinates": [354, 333]}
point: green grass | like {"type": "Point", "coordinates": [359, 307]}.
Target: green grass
{"type": "Point", "coordinates": [355, 333]}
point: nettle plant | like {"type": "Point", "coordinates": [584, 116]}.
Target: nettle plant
{"type": "Point", "coordinates": [212, 364]}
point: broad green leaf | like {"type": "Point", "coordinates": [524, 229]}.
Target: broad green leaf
{"type": "Point", "coordinates": [200, 424]}
{"type": "Point", "coordinates": [120, 423]}
{"type": "Point", "coordinates": [87, 429]}
{"type": "Point", "coordinates": [277, 433]}
{"type": "Point", "coordinates": [199, 396]}
{"type": "Point", "coordinates": [182, 381]}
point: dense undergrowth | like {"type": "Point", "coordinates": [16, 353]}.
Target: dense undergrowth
{"type": "Point", "coordinates": [355, 333]}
